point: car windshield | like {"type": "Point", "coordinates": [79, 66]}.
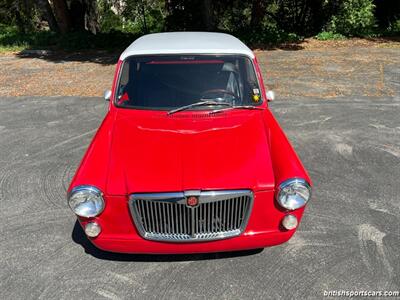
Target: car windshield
{"type": "Point", "coordinates": [172, 81]}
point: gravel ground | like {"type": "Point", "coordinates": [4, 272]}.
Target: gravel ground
{"type": "Point", "coordinates": [349, 238]}
{"type": "Point", "coordinates": [330, 73]}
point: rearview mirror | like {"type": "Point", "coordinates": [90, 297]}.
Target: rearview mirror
{"type": "Point", "coordinates": [107, 95]}
{"type": "Point", "coordinates": [270, 95]}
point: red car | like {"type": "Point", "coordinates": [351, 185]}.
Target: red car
{"type": "Point", "coordinates": [189, 158]}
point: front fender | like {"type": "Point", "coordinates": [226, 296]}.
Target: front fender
{"type": "Point", "coordinates": [285, 162]}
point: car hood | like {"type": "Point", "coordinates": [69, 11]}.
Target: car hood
{"type": "Point", "coordinates": [189, 151]}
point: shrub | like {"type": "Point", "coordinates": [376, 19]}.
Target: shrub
{"type": "Point", "coordinates": [266, 35]}
{"type": "Point", "coordinates": [329, 35]}
{"type": "Point", "coordinates": [110, 21]}
{"type": "Point", "coordinates": [12, 39]}
{"type": "Point", "coordinates": [355, 18]}
{"type": "Point", "coordinates": [394, 28]}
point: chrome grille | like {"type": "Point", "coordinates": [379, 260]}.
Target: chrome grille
{"type": "Point", "coordinates": [168, 217]}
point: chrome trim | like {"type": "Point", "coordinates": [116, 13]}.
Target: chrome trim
{"type": "Point", "coordinates": [288, 182]}
{"type": "Point", "coordinates": [209, 196]}
{"type": "Point", "coordinates": [107, 95]}
{"type": "Point", "coordinates": [157, 196]}
{"type": "Point", "coordinates": [91, 189]}
{"type": "Point", "coordinates": [270, 95]}
{"type": "Point", "coordinates": [186, 216]}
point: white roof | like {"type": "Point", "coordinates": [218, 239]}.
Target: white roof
{"type": "Point", "coordinates": [187, 43]}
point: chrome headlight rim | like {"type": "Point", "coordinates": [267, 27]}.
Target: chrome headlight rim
{"type": "Point", "coordinates": [291, 181]}
{"type": "Point", "coordinates": [91, 189]}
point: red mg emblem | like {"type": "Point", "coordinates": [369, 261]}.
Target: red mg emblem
{"type": "Point", "coordinates": [192, 201]}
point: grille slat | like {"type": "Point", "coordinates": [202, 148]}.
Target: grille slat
{"type": "Point", "coordinates": [157, 218]}
{"type": "Point", "coordinates": [164, 220]}
{"type": "Point", "coordinates": [209, 220]}
{"type": "Point", "coordinates": [231, 208]}
{"type": "Point", "coordinates": [166, 208]}
{"type": "Point", "coordinates": [184, 219]}
{"type": "Point", "coordinates": [238, 213]}
{"type": "Point", "coordinates": [151, 215]}
{"type": "Point", "coordinates": [175, 217]}
{"type": "Point", "coordinates": [195, 220]}
{"type": "Point", "coordinates": [225, 216]}
{"type": "Point", "coordinates": [233, 213]}
{"type": "Point", "coordinates": [218, 215]}
{"type": "Point", "coordinates": [146, 216]}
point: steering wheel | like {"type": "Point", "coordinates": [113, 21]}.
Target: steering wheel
{"type": "Point", "coordinates": [220, 91]}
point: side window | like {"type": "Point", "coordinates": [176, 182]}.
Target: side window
{"type": "Point", "coordinates": [251, 88]}
{"type": "Point", "coordinates": [251, 76]}
{"type": "Point", "coordinates": [124, 78]}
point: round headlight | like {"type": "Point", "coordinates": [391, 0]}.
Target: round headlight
{"type": "Point", "coordinates": [86, 201]}
{"type": "Point", "coordinates": [293, 193]}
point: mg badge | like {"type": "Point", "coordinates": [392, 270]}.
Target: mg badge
{"type": "Point", "coordinates": [192, 201]}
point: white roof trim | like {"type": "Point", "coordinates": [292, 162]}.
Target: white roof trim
{"type": "Point", "coordinates": [187, 43]}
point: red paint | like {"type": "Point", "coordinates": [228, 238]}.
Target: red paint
{"type": "Point", "coordinates": [148, 151]}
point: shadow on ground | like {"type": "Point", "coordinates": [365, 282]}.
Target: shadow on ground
{"type": "Point", "coordinates": [111, 57]}
{"type": "Point", "coordinates": [79, 237]}
{"type": "Point", "coordinates": [386, 39]}
{"type": "Point", "coordinates": [99, 57]}
{"type": "Point", "coordinates": [287, 46]}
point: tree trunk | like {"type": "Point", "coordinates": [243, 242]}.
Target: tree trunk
{"type": "Point", "coordinates": [77, 11]}
{"type": "Point", "coordinates": [91, 17]}
{"type": "Point", "coordinates": [20, 22]}
{"type": "Point", "coordinates": [143, 13]}
{"type": "Point", "coordinates": [63, 15]}
{"type": "Point", "coordinates": [47, 14]}
{"type": "Point", "coordinates": [169, 19]}
{"type": "Point", "coordinates": [208, 15]}
{"type": "Point", "coordinates": [257, 13]}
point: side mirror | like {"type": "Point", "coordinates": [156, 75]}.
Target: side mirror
{"type": "Point", "coordinates": [270, 95]}
{"type": "Point", "coordinates": [107, 95]}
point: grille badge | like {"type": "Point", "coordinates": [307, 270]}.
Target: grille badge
{"type": "Point", "coordinates": [192, 201]}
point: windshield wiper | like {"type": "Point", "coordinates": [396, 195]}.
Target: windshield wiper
{"type": "Point", "coordinates": [201, 103]}
{"type": "Point", "coordinates": [236, 107]}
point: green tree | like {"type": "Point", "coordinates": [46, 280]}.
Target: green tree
{"type": "Point", "coordinates": [20, 13]}
{"type": "Point", "coordinates": [354, 18]}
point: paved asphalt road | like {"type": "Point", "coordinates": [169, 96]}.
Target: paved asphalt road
{"type": "Point", "coordinates": [349, 238]}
